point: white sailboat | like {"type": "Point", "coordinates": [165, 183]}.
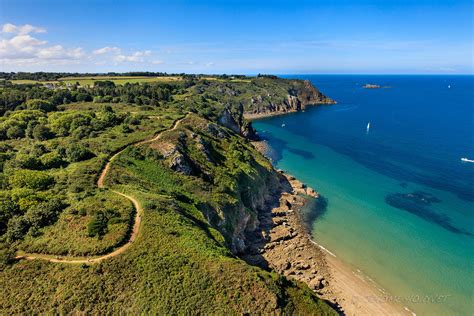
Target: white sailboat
{"type": "Point", "coordinates": [368, 127]}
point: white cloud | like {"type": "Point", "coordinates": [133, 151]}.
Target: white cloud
{"type": "Point", "coordinates": [59, 52]}
{"type": "Point", "coordinates": [107, 50]}
{"type": "Point", "coordinates": [21, 29]}
{"type": "Point", "coordinates": [21, 48]}
{"type": "Point", "coordinates": [136, 57]}
{"type": "Point", "coordinates": [209, 64]}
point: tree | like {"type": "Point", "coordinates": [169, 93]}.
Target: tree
{"type": "Point", "coordinates": [31, 179]}
{"type": "Point", "coordinates": [77, 152]}
{"type": "Point", "coordinates": [17, 228]}
{"type": "Point", "coordinates": [7, 255]}
{"type": "Point", "coordinates": [44, 213]}
{"type": "Point", "coordinates": [42, 132]}
{"type": "Point", "coordinates": [98, 225]}
{"type": "Point", "coordinates": [42, 105]}
{"type": "Point", "coordinates": [15, 132]}
{"type": "Point", "coordinates": [52, 160]}
{"type": "Point", "coordinates": [26, 161]}
{"type": "Point", "coordinates": [83, 97]}
{"type": "Point", "coordinates": [8, 209]}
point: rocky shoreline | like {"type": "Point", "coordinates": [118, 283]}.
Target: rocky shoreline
{"type": "Point", "coordinates": [281, 242]}
{"type": "Point", "coordinates": [255, 116]}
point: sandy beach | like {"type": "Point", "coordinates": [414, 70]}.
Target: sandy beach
{"type": "Point", "coordinates": [287, 247]}
{"type": "Point", "coordinates": [357, 294]}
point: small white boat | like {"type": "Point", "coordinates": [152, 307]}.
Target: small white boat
{"type": "Point", "coordinates": [283, 125]}
{"type": "Point", "coordinates": [368, 127]}
{"type": "Point", "coordinates": [449, 86]}
{"type": "Point", "coordinates": [466, 160]}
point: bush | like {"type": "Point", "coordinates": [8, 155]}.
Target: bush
{"type": "Point", "coordinates": [15, 132]}
{"type": "Point", "coordinates": [81, 132]}
{"type": "Point", "coordinates": [83, 97]}
{"type": "Point", "coordinates": [27, 161]}
{"type": "Point", "coordinates": [98, 99]}
{"type": "Point", "coordinates": [7, 256]}
{"type": "Point", "coordinates": [8, 209]}
{"type": "Point", "coordinates": [44, 213]}
{"type": "Point", "coordinates": [77, 152]}
{"type": "Point", "coordinates": [126, 129]}
{"type": "Point", "coordinates": [41, 132]}
{"type": "Point", "coordinates": [31, 179]}
{"type": "Point", "coordinates": [42, 105]}
{"type": "Point", "coordinates": [17, 227]}
{"type": "Point", "coordinates": [52, 160]}
{"type": "Point", "coordinates": [98, 225]}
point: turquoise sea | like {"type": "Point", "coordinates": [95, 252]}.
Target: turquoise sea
{"type": "Point", "coordinates": [399, 202]}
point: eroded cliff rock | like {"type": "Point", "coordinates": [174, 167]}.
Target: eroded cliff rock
{"type": "Point", "coordinates": [297, 97]}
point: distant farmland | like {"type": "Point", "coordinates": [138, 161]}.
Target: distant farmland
{"type": "Point", "coordinates": [90, 80]}
{"type": "Point", "coordinates": [118, 80]}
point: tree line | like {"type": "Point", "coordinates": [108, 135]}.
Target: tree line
{"type": "Point", "coordinates": [16, 96]}
{"type": "Point", "coordinates": [53, 76]}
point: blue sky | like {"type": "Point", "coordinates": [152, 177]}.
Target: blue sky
{"type": "Point", "coordinates": [237, 36]}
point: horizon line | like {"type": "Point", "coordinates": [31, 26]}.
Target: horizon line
{"type": "Point", "coordinates": [250, 74]}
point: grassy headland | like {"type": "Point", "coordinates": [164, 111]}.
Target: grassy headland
{"type": "Point", "coordinates": [201, 186]}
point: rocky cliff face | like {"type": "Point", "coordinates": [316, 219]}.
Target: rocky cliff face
{"type": "Point", "coordinates": [220, 153]}
{"type": "Point", "coordinates": [285, 97]}
{"type": "Point", "coordinates": [298, 96]}
{"type": "Point", "coordinates": [233, 181]}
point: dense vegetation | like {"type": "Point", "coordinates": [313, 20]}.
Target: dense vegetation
{"type": "Point", "coordinates": [198, 183]}
{"type": "Point", "coordinates": [52, 76]}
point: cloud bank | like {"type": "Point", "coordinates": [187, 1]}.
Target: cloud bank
{"type": "Point", "coordinates": [21, 48]}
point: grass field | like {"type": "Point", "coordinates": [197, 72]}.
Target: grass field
{"type": "Point", "coordinates": [30, 81]}
{"type": "Point", "coordinates": [119, 80]}
{"type": "Point", "coordinates": [90, 80]}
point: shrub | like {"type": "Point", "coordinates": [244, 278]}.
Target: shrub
{"type": "Point", "coordinates": [7, 255]}
{"type": "Point", "coordinates": [17, 227]}
{"type": "Point", "coordinates": [31, 179]}
{"type": "Point", "coordinates": [41, 132]}
{"type": "Point", "coordinates": [42, 105]}
{"type": "Point", "coordinates": [97, 99]}
{"type": "Point", "coordinates": [77, 152]}
{"type": "Point", "coordinates": [15, 132]}
{"type": "Point", "coordinates": [126, 129]}
{"type": "Point", "coordinates": [27, 161]}
{"type": "Point", "coordinates": [44, 214]}
{"type": "Point", "coordinates": [8, 209]}
{"type": "Point", "coordinates": [83, 97]}
{"type": "Point", "coordinates": [52, 160]}
{"type": "Point", "coordinates": [81, 132]}
{"type": "Point", "coordinates": [98, 225]}
{"type": "Point", "coordinates": [79, 121]}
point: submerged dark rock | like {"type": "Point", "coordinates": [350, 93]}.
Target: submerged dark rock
{"type": "Point", "coordinates": [417, 203]}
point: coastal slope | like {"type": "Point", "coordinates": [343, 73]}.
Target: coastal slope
{"type": "Point", "coordinates": [200, 185]}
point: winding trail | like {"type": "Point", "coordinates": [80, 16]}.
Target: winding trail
{"type": "Point", "coordinates": [101, 185]}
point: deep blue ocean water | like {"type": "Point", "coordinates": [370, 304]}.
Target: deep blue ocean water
{"type": "Point", "coordinates": [400, 202]}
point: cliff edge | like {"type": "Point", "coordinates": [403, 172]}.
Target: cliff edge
{"type": "Point", "coordinates": [298, 95]}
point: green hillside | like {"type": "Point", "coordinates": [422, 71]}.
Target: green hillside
{"type": "Point", "coordinates": [137, 198]}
